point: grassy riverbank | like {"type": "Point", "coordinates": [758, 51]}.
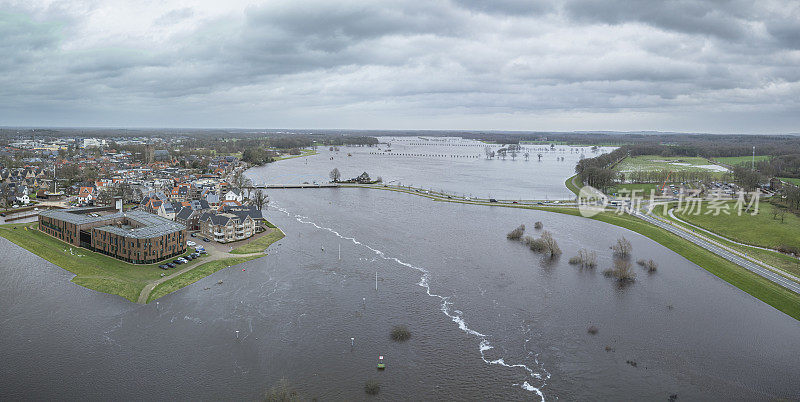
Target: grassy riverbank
{"type": "Point", "coordinates": [761, 229]}
{"type": "Point", "coordinates": [573, 184]}
{"type": "Point", "coordinates": [93, 270]}
{"type": "Point", "coordinates": [108, 275]}
{"type": "Point", "coordinates": [190, 277]}
{"type": "Point", "coordinates": [306, 152]}
{"type": "Point", "coordinates": [260, 244]}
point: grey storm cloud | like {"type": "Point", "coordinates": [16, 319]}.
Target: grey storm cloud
{"type": "Point", "coordinates": [506, 64]}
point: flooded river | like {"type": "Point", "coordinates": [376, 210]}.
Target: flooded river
{"type": "Point", "coordinates": [489, 319]}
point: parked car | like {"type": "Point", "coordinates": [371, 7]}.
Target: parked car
{"type": "Point", "coordinates": [190, 243]}
{"type": "Point", "coordinates": [206, 239]}
{"type": "Point", "coordinates": [171, 265]}
{"type": "Point", "coordinates": [188, 257]}
{"type": "Point", "coordinates": [193, 235]}
{"type": "Point", "coordinates": [492, 200]}
{"type": "Point", "coordinates": [195, 255]}
{"type": "Point", "coordinates": [163, 266]}
{"type": "Point", "coordinates": [203, 252]}
{"type": "Point", "coordinates": [179, 261]}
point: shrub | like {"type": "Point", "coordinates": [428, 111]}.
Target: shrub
{"type": "Point", "coordinates": [538, 225]}
{"type": "Point", "coordinates": [622, 248]}
{"type": "Point", "coordinates": [649, 265]}
{"type": "Point", "coordinates": [400, 333]}
{"type": "Point", "coordinates": [281, 392]}
{"type": "Point", "coordinates": [585, 258]}
{"type": "Point", "coordinates": [551, 245]}
{"type": "Point", "coordinates": [544, 244]}
{"type": "Point", "coordinates": [537, 245]}
{"type": "Point", "coordinates": [517, 233]}
{"type": "Point", "coordinates": [622, 271]}
{"type": "Point", "coordinates": [372, 387]}
{"type": "Point", "coordinates": [592, 330]}
{"type": "Point", "coordinates": [787, 249]}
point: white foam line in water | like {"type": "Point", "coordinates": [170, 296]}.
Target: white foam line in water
{"type": "Point", "coordinates": [455, 315]}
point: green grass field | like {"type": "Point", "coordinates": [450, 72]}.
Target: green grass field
{"type": "Point", "coordinates": [645, 163]}
{"type": "Point", "coordinates": [260, 244]}
{"type": "Point", "coordinates": [773, 258]}
{"type": "Point", "coordinates": [759, 230]}
{"type": "Point", "coordinates": [573, 186]}
{"type": "Point", "coordinates": [643, 189]}
{"type": "Point", "coordinates": [306, 152]}
{"type": "Point", "coordinates": [93, 270]}
{"type": "Point", "coordinates": [738, 160]}
{"type": "Point", "coordinates": [190, 277]}
{"type": "Point", "coordinates": [792, 180]}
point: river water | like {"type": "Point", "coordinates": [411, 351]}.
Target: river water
{"type": "Point", "coordinates": [490, 320]}
{"type": "Point", "coordinates": [454, 165]}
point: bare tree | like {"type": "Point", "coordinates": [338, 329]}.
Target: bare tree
{"type": "Point", "coordinates": [260, 199]}
{"type": "Point", "coordinates": [514, 154]}
{"type": "Point", "coordinates": [238, 179]}
{"type": "Point", "coordinates": [585, 258]}
{"type": "Point", "coordinates": [621, 271]}
{"type": "Point", "coordinates": [488, 150]}
{"type": "Point", "coordinates": [551, 246]}
{"type": "Point", "coordinates": [335, 175]}
{"type": "Point", "coordinates": [248, 184]}
{"type": "Point", "coordinates": [623, 247]}
{"type": "Point", "coordinates": [527, 155]}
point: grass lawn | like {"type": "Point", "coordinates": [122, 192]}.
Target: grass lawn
{"type": "Point", "coordinates": [93, 270]}
{"type": "Point", "coordinates": [571, 186]}
{"type": "Point", "coordinates": [306, 152]}
{"type": "Point", "coordinates": [738, 160]}
{"type": "Point", "coordinates": [190, 277]}
{"type": "Point", "coordinates": [792, 180]}
{"type": "Point", "coordinates": [759, 230]}
{"type": "Point", "coordinates": [260, 244]}
{"type": "Point", "coordinates": [645, 163]}
{"type": "Point", "coordinates": [778, 260]}
{"type": "Point", "coordinates": [643, 189]}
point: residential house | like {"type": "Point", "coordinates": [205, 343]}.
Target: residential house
{"type": "Point", "coordinates": [86, 195]}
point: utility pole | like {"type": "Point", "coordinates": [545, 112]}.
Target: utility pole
{"type": "Point", "coordinates": [753, 163]}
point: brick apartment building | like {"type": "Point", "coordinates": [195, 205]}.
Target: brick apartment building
{"type": "Point", "coordinates": [137, 237]}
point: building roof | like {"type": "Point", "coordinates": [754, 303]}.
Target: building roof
{"type": "Point", "coordinates": [149, 225]}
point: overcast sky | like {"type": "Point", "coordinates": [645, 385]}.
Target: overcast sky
{"type": "Point", "coordinates": [697, 66]}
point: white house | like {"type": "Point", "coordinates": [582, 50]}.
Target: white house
{"type": "Point", "coordinates": [234, 194]}
{"type": "Point", "coordinates": [23, 199]}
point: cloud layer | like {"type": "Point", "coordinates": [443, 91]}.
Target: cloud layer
{"type": "Point", "coordinates": [719, 66]}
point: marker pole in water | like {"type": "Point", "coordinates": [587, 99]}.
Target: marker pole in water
{"type": "Point", "coordinates": [352, 342]}
{"type": "Point", "coordinates": [376, 281]}
{"type": "Point", "coordinates": [237, 334]}
{"type": "Point", "coordinates": [340, 252]}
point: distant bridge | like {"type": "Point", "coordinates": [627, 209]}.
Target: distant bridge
{"type": "Point", "coordinates": [305, 185]}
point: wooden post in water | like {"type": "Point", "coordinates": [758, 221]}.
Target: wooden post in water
{"type": "Point", "coordinates": [376, 281]}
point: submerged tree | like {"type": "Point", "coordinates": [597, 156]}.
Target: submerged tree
{"type": "Point", "coordinates": [621, 271]}
{"type": "Point", "coordinates": [517, 233]}
{"type": "Point", "coordinates": [622, 248]}
{"type": "Point", "coordinates": [335, 175]}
